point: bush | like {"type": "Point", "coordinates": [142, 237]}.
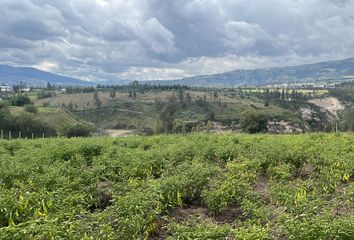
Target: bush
{"type": "Point", "coordinates": [31, 109]}
{"type": "Point", "coordinates": [78, 130]}
{"type": "Point", "coordinates": [254, 122]}
{"type": "Point", "coordinates": [346, 121]}
{"type": "Point", "coordinates": [45, 94]}
{"type": "Point", "coordinates": [3, 105]}
{"type": "Point", "coordinates": [20, 100]}
{"type": "Point", "coordinates": [28, 123]}
{"type": "Point", "coordinates": [7, 122]}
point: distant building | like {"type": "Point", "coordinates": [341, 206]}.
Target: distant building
{"type": "Point", "coordinates": [4, 88]}
{"type": "Point", "coordinates": [25, 89]}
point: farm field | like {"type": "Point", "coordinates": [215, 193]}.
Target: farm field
{"type": "Point", "coordinates": [197, 186]}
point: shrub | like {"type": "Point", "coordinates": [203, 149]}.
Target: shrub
{"type": "Point", "coordinates": [20, 100]}
{"type": "Point", "coordinates": [28, 123]}
{"type": "Point", "coordinates": [31, 109]}
{"type": "Point", "coordinates": [78, 130]}
{"type": "Point", "coordinates": [3, 105]}
{"type": "Point", "coordinates": [253, 122]}
{"type": "Point", "coordinates": [45, 94]}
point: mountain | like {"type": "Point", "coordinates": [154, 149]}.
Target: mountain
{"type": "Point", "coordinates": [33, 77]}
{"type": "Point", "coordinates": [324, 72]}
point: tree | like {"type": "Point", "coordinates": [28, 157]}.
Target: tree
{"type": "Point", "coordinates": [49, 86]}
{"type": "Point", "coordinates": [188, 98]}
{"type": "Point", "coordinates": [31, 109]}
{"type": "Point", "coordinates": [209, 126]}
{"type": "Point", "coordinates": [167, 116]}
{"type": "Point", "coordinates": [97, 100]}
{"type": "Point", "coordinates": [216, 95]}
{"type": "Point", "coordinates": [347, 121]}
{"type": "Point", "coordinates": [252, 122]}
{"type": "Point", "coordinates": [20, 100]}
{"type": "Point", "coordinates": [19, 87]}
{"type": "Point", "coordinates": [135, 83]}
{"type": "Point", "coordinates": [184, 130]}
{"type": "Point", "coordinates": [29, 123]}
{"type": "Point", "coordinates": [181, 96]}
{"type": "Point", "coordinates": [112, 93]}
{"type": "Point", "coordinates": [78, 130]}
{"type": "Point", "coordinates": [6, 120]}
{"type": "Point", "coordinates": [71, 106]}
{"type": "Point", "coordinates": [211, 115]}
{"type": "Point", "coordinates": [158, 125]}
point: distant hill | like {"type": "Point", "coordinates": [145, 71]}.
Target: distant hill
{"type": "Point", "coordinates": [33, 77]}
{"type": "Point", "coordinates": [324, 72]}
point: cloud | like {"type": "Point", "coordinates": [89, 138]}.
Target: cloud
{"type": "Point", "coordinates": [161, 39]}
{"type": "Point", "coordinates": [47, 66]}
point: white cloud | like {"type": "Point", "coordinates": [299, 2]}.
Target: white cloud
{"type": "Point", "coordinates": [47, 66]}
{"type": "Point", "coordinates": [159, 39]}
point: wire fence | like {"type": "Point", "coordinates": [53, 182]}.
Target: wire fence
{"type": "Point", "coordinates": [10, 135]}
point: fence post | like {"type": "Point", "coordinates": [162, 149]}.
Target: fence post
{"type": "Point", "coordinates": [19, 134]}
{"type": "Point", "coordinates": [2, 134]}
{"type": "Point", "coordinates": [9, 135]}
{"type": "Point", "coordinates": [32, 136]}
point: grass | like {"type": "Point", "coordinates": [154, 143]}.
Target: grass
{"type": "Point", "coordinates": [84, 101]}
{"type": "Point", "coordinates": [141, 112]}
{"type": "Point", "coordinates": [57, 117]}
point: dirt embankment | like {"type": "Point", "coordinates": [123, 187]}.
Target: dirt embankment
{"type": "Point", "coordinates": [331, 104]}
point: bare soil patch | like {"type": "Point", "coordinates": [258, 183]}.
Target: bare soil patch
{"type": "Point", "coordinates": [331, 104]}
{"type": "Point", "coordinates": [120, 132]}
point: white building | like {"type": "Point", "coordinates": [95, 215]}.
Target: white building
{"type": "Point", "coordinates": [4, 88]}
{"type": "Point", "coordinates": [25, 89]}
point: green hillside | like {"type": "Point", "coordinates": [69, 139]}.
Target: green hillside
{"type": "Point", "coordinates": [140, 112]}
{"type": "Point", "coordinates": [197, 186]}
{"type": "Point", "coordinates": [25, 121]}
{"type": "Point", "coordinates": [55, 116]}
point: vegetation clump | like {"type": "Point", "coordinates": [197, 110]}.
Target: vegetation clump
{"type": "Point", "coordinates": [253, 122]}
{"type": "Point", "coordinates": [79, 129]}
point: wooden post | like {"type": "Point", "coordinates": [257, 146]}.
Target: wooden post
{"type": "Point", "coordinates": [19, 134]}
{"type": "Point", "coordinates": [2, 134]}
{"type": "Point", "coordinates": [9, 135]}
{"type": "Point", "coordinates": [32, 136]}
{"type": "Point", "coordinates": [336, 127]}
{"type": "Point", "coordinates": [43, 135]}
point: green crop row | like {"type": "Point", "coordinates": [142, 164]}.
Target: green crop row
{"type": "Point", "coordinates": [198, 186]}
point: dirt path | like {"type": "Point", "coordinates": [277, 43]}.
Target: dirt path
{"type": "Point", "coordinates": [120, 132]}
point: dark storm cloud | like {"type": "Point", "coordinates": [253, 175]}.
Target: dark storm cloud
{"type": "Point", "coordinates": [100, 39]}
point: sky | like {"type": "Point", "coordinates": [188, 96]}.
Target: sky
{"type": "Point", "coordinates": [169, 39]}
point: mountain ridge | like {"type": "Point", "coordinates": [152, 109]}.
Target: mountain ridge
{"type": "Point", "coordinates": [30, 76]}
{"type": "Point", "coordinates": [322, 72]}
{"type": "Point", "coordinates": [328, 71]}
